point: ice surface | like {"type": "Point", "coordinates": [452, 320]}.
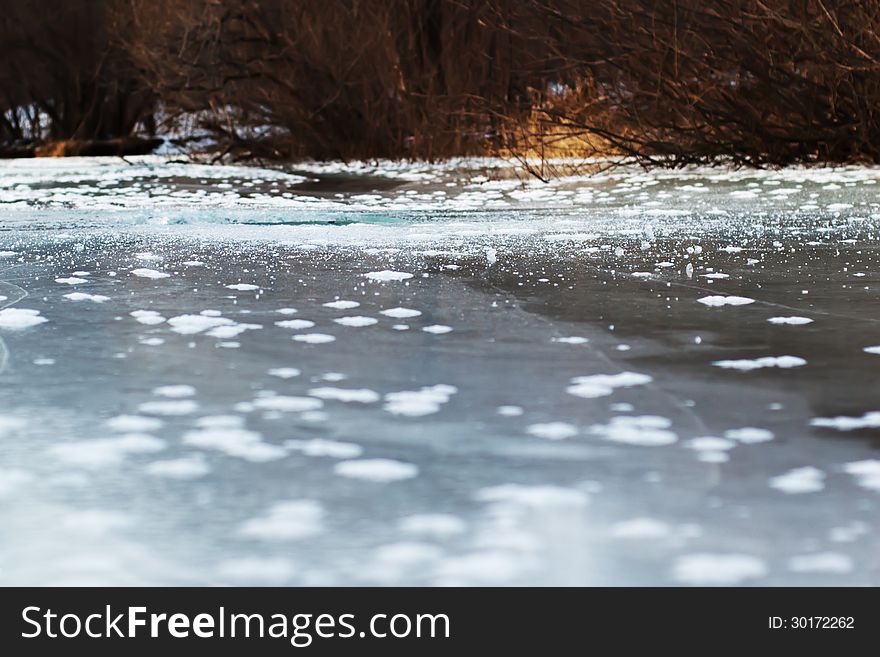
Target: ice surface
{"type": "Point", "coordinates": [572, 428]}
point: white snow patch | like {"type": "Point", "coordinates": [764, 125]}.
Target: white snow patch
{"type": "Point", "coordinates": [601, 385]}
{"type": "Point", "coordinates": [296, 324]}
{"type": "Point", "coordinates": [792, 321]}
{"type": "Point", "coordinates": [574, 339]}
{"type": "Point", "coordinates": [243, 287]}
{"type": "Point", "coordinates": [870, 420]}
{"type": "Point", "coordinates": [730, 300]}
{"type": "Point", "coordinates": [186, 467]}
{"type": "Point", "coordinates": [867, 473]}
{"type": "Point", "coordinates": [360, 395]}
{"type": "Point", "coordinates": [702, 569]}
{"type": "Point", "coordinates": [100, 452]}
{"type": "Point", "coordinates": [287, 404]}
{"type": "Point", "coordinates": [175, 391]}
{"type": "Point", "coordinates": [240, 443]}
{"type": "Point", "coordinates": [314, 338]}
{"type": "Point", "coordinates": [148, 317]}
{"type": "Point", "coordinates": [415, 403]}
{"type": "Point", "coordinates": [356, 321]}
{"type": "Point", "coordinates": [134, 423]}
{"type": "Point", "coordinates": [828, 563]}
{"type": "Point", "coordinates": [149, 273]}
{"type": "Point", "coordinates": [437, 525]}
{"type": "Point", "coordinates": [509, 411]}
{"type": "Point", "coordinates": [388, 275]}
{"type": "Point", "coordinates": [284, 372]}
{"type": "Point", "coordinates": [322, 447]}
{"type": "Point", "coordinates": [377, 470]}
{"type": "Point", "coordinates": [552, 430]}
{"type": "Point", "coordinates": [20, 318]}
{"type": "Point", "coordinates": [401, 313]}
{"type": "Point", "coordinates": [747, 365]}
{"type": "Point", "coordinates": [192, 324]}
{"type": "Point", "coordinates": [437, 329]}
{"type": "Point", "coordinates": [640, 528]}
{"type": "Point", "coordinates": [710, 444]}
{"type": "Point", "coordinates": [342, 304]}
{"type": "Point", "coordinates": [645, 430]}
{"type": "Point", "coordinates": [220, 421]}
{"type": "Point", "coordinates": [72, 280]}
{"type": "Point", "coordinates": [537, 497]}
{"type": "Point", "coordinates": [286, 521]}
{"type": "Point", "coordinates": [82, 296]}
{"type": "Point", "coordinates": [749, 435]}
{"type": "Point", "coordinates": [799, 480]}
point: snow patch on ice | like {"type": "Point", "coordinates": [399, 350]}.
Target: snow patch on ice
{"type": "Point", "coordinates": [601, 385]}
{"type": "Point", "coordinates": [747, 365]}
{"type": "Point", "coordinates": [415, 403]}
{"type": "Point", "coordinates": [437, 525]}
{"type": "Point", "coordinates": [287, 404]}
{"type": "Point", "coordinates": [799, 480]}
{"type": "Point", "coordinates": [295, 324]}
{"type": "Point", "coordinates": [284, 372]}
{"type": "Point", "coordinates": [134, 423]}
{"type": "Point", "coordinates": [286, 521]}
{"type": "Point", "coordinates": [377, 470]}
{"type": "Point", "coordinates": [314, 338]}
{"type": "Point", "coordinates": [703, 569]}
{"type": "Point", "coordinates": [20, 318]}
{"type": "Point", "coordinates": [101, 452]}
{"type": "Point", "coordinates": [342, 304]}
{"type": "Point", "coordinates": [640, 529]}
{"type": "Point", "coordinates": [749, 435]}
{"type": "Point", "coordinates": [826, 563]}
{"type": "Point", "coordinates": [82, 296]}
{"type": "Point", "coordinates": [574, 339]}
{"type": "Point", "coordinates": [792, 321]}
{"type": "Point", "coordinates": [356, 321]}
{"type": "Point", "coordinates": [149, 273]}
{"type": "Point", "coordinates": [323, 447]}
{"type": "Point", "coordinates": [715, 301]}
{"type": "Point", "coordinates": [183, 468]}
{"type": "Point", "coordinates": [552, 430]}
{"type": "Point", "coordinates": [437, 329]}
{"type": "Point", "coordinates": [237, 442]}
{"type": "Point", "coordinates": [149, 317]}
{"type": "Point", "coordinates": [645, 430]}
{"type": "Point", "coordinates": [175, 391]}
{"type": "Point", "coordinates": [400, 313]}
{"type": "Point", "coordinates": [535, 497]}
{"type": "Point", "coordinates": [360, 395]}
{"type": "Point", "coordinates": [387, 275]}
{"type": "Point", "coordinates": [866, 473]}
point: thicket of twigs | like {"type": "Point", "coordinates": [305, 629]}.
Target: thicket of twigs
{"type": "Point", "coordinates": [670, 82]}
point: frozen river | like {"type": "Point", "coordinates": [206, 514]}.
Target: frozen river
{"type": "Point", "coordinates": [437, 375]}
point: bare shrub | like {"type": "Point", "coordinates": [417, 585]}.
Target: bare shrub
{"type": "Point", "coordinates": [63, 73]}
{"type": "Point", "coordinates": [342, 79]}
{"type": "Point", "coordinates": [756, 82]}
